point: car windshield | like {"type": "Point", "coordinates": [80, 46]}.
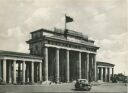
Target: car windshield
{"type": "Point", "coordinates": [83, 80]}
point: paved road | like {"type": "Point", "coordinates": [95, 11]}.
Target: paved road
{"type": "Point", "coordinates": [108, 87]}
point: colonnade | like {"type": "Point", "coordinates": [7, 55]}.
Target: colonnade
{"type": "Point", "coordinates": [105, 73]}
{"type": "Point", "coordinates": [90, 65]}
{"type": "Point", "coordinates": [20, 71]}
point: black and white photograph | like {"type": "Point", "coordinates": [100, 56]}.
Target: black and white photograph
{"type": "Point", "coordinates": [70, 46]}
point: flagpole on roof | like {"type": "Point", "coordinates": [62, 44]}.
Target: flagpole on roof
{"type": "Point", "coordinates": [65, 23]}
{"type": "Point", "coordinates": [65, 33]}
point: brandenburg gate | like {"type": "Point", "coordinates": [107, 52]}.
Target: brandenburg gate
{"type": "Point", "coordinates": [54, 56]}
{"type": "Point", "coordinates": [67, 56]}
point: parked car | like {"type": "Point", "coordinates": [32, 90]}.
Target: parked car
{"type": "Point", "coordinates": [83, 84]}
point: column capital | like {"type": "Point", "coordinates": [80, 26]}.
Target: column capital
{"type": "Point", "coordinates": [92, 54]}
{"type": "Point", "coordinates": [80, 51]}
{"type": "Point", "coordinates": [32, 61]}
{"type": "Point", "coordinates": [4, 58]}
{"type": "Point", "coordinates": [86, 52]}
{"type": "Point", "coordinates": [57, 48]}
{"type": "Point", "coordinates": [67, 49]}
{"type": "Point", "coordinates": [14, 60]}
{"type": "Point", "coordinates": [46, 46]}
{"type": "Point", "coordinates": [23, 60]}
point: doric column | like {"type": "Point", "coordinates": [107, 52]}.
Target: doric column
{"type": "Point", "coordinates": [14, 71]}
{"type": "Point", "coordinates": [0, 69]}
{"type": "Point", "coordinates": [94, 63]}
{"type": "Point", "coordinates": [10, 72]}
{"type": "Point", "coordinates": [112, 72]}
{"type": "Point", "coordinates": [99, 73]}
{"type": "Point", "coordinates": [91, 70]}
{"type": "Point", "coordinates": [40, 71]}
{"type": "Point", "coordinates": [19, 70]}
{"type": "Point", "coordinates": [32, 72]}
{"type": "Point", "coordinates": [57, 65]}
{"type": "Point", "coordinates": [67, 60]}
{"type": "Point", "coordinates": [4, 70]}
{"type": "Point", "coordinates": [105, 74]}
{"type": "Point", "coordinates": [23, 69]}
{"type": "Point", "coordinates": [27, 72]}
{"type": "Point", "coordinates": [101, 76]}
{"type": "Point", "coordinates": [79, 65]}
{"type": "Point", "coordinates": [46, 63]}
{"type": "Point", "coordinates": [108, 74]}
{"type": "Point", "coordinates": [87, 66]}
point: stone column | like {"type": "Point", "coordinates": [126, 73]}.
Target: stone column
{"type": "Point", "coordinates": [4, 70]}
{"type": "Point", "coordinates": [105, 74]}
{"type": "Point", "coordinates": [32, 72]}
{"type": "Point", "coordinates": [91, 70]}
{"type": "Point", "coordinates": [10, 72]}
{"type": "Point", "coordinates": [14, 71]}
{"type": "Point", "coordinates": [95, 71]}
{"type": "Point", "coordinates": [19, 71]}
{"type": "Point", "coordinates": [112, 72]}
{"type": "Point", "coordinates": [23, 69]}
{"type": "Point", "coordinates": [40, 71]}
{"type": "Point", "coordinates": [57, 65]}
{"type": "Point", "coordinates": [27, 72]}
{"type": "Point", "coordinates": [101, 73]}
{"type": "Point", "coordinates": [67, 60]}
{"type": "Point", "coordinates": [46, 63]}
{"type": "Point", "coordinates": [87, 66]}
{"type": "Point", "coordinates": [98, 75]}
{"type": "Point", "coordinates": [0, 69]}
{"type": "Point", "coordinates": [108, 74]}
{"type": "Point", "coordinates": [79, 65]}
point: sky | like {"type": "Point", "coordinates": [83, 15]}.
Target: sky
{"type": "Point", "coordinates": [104, 21]}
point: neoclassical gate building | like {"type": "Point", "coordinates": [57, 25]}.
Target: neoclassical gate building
{"type": "Point", "coordinates": [54, 56]}
{"type": "Point", "coordinates": [67, 56]}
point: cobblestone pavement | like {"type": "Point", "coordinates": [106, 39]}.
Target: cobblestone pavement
{"type": "Point", "coordinates": [69, 87]}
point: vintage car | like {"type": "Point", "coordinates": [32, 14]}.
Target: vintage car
{"type": "Point", "coordinates": [82, 84]}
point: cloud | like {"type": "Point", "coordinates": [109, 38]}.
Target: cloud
{"type": "Point", "coordinates": [13, 39]}
{"type": "Point", "coordinates": [114, 50]}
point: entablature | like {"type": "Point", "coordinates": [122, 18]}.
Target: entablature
{"type": "Point", "coordinates": [69, 44]}
{"type": "Point", "coordinates": [20, 58]}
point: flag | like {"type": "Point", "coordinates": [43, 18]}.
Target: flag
{"type": "Point", "coordinates": [68, 19]}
